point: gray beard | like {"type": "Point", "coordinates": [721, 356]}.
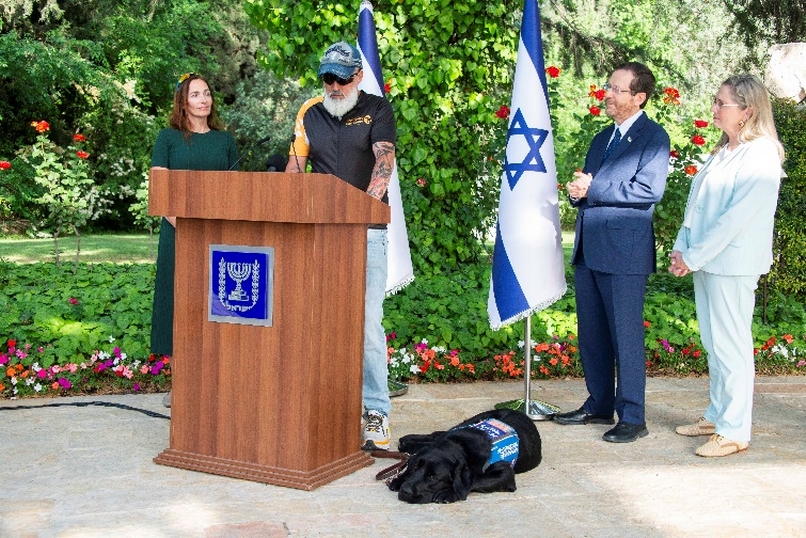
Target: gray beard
{"type": "Point", "coordinates": [340, 107]}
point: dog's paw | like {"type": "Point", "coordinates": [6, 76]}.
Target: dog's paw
{"type": "Point", "coordinates": [446, 496]}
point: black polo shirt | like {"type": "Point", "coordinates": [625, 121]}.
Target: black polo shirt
{"type": "Point", "coordinates": [343, 147]}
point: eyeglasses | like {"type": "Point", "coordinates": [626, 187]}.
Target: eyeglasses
{"type": "Point", "coordinates": [330, 78]}
{"type": "Point", "coordinates": [720, 104]}
{"type": "Point", "coordinates": [615, 89]}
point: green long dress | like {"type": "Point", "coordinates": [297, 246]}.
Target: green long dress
{"type": "Point", "coordinates": [214, 150]}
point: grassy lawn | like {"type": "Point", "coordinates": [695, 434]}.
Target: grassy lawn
{"type": "Point", "coordinates": [116, 248]}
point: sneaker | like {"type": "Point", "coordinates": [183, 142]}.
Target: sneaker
{"type": "Point", "coordinates": [718, 446]}
{"type": "Point", "coordinates": [166, 400]}
{"type": "Point", "coordinates": [376, 431]}
{"type": "Point", "coordinates": [701, 427]}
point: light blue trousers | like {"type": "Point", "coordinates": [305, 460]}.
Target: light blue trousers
{"type": "Point", "coordinates": [375, 392]}
{"type": "Point", "coordinates": [725, 314]}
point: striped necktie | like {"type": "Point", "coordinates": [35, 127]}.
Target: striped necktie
{"type": "Point", "coordinates": [612, 145]}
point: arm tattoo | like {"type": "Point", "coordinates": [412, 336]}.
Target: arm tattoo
{"type": "Point", "coordinates": [382, 172]}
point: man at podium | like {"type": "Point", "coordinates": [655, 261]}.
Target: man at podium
{"type": "Point", "coordinates": [351, 134]}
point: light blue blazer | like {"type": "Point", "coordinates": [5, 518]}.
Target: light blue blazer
{"type": "Point", "coordinates": [731, 215]}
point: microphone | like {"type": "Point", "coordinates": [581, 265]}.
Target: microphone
{"type": "Point", "coordinates": [248, 151]}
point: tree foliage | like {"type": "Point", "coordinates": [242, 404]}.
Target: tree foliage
{"type": "Point", "coordinates": [780, 21]}
{"type": "Point", "coordinates": [449, 67]}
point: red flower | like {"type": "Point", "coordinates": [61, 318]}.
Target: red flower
{"type": "Point", "coordinates": [82, 154]}
{"type": "Point", "coordinates": [671, 96]}
{"type": "Point", "coordinates": [73, 301]}
{"type": "Point", "coordinates": [698, 140]}
{"type": "Point", "coordinates": [690, 169]}
{"type": "Point", "coordinates": [79, 137]}
{"type": "Point", "coordinates": [595, 110]}
{"type": "Point", "coordinates": [503, 112]}
{"type": "Point", "coordinates": [700, 124]}
{"type": "Point", "coordinates": [599, 94]}
{"type": "Point", "coordinates": [5, 165]}
{"type": "Point", "coordinates": [40, 126]}
{"type": "Point", "coordinates": [420, 182]}
{"type": "Point", "coordinates": [387, 88]}
{"type": "Point", "coordinates": [552, 71]}
{"type": "Point", "coordinates": [11, 344]}
{"type": "Point", "coordinates": [674, 154]}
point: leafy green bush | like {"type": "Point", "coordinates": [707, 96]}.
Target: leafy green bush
{"type": "Point", "coordinates": [90, 331]}
{"type": "Point", "coordinates": [788, 275]}
{"type": "Point", "coordinates": [70, 316]}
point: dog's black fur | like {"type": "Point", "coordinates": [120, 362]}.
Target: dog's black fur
{"type": "Point", "coordinates": [446, 466]}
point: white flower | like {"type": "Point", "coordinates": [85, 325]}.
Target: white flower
{"type": "Point", "coordinates": [414, 369]}
{"type": "Point", "coordinates": [111, 339]}
{"type": "Point", "coordinates": [38, 387]}
{"type": "Point", "coordinates": [521, 343]}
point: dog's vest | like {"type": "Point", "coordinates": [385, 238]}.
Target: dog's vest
{"type": "Point", "coordinates": [504, 438]}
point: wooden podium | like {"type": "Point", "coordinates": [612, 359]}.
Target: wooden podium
{"type": "Point", "coordinates": [277, 403]}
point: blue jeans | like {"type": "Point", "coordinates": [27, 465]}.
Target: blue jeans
{"type": "Point", "coordinates": [375, 388]}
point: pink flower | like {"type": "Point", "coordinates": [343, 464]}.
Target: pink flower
{"type": "Point", "coordinates": [73, 301]}
{"type": "Point", "coordinates": [65, 383]}
{"type": "Point", "coordinates": [420, 182]}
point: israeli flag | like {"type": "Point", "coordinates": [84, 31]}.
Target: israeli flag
{"type": "Point", "coordinates": [528, 270]}
{"type": "Point", "coordinates": [399, 268]}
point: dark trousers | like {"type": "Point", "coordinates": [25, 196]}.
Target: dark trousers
{"type": "Point", "coordinates": [610, 316]}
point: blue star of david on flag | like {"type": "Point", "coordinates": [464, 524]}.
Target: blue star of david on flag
{"type": "Point", "coordinates": [534, 137]}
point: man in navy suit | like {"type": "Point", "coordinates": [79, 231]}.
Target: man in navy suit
{"type": "Point", "coordinates": [614, 253]}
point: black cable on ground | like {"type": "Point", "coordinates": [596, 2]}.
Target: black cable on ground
{"type": "Point", "coordinates": [86, 404]}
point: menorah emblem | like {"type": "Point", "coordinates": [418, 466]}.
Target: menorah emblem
{"type": "Point", "coordinates": [238, 272]}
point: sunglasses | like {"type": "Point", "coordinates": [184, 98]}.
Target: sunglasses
{"type": "Point", "coordinates": [330, 78]}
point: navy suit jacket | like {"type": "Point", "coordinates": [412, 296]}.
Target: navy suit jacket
{"type": "Point", "coordinates": [614, 223]}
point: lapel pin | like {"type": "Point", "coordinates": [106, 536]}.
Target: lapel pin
{"type": "Point", "coordinates": [629, 139]}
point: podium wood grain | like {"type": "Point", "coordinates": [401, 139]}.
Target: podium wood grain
{"type": "Point", "coordinates": [280, 404]}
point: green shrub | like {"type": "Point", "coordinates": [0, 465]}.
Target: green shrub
{"type": "Point", "coordinates": [788, 274]}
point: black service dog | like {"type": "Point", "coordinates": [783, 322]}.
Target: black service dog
{"type": "Point", "coordinates": [447, 465]}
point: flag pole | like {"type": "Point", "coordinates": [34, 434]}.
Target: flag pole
{"type": "Point", "coordinates": [535, 409]}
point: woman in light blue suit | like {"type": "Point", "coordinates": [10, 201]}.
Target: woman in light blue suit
{"type": "Point", "coordinates": [726, 241]}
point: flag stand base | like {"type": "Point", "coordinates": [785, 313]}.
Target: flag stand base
{"type": "Point", "coordinates": [538, 409]}
{"type": "Point", "coordinates": [535, 409]}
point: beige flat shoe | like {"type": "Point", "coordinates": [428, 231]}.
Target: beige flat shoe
{"type": "Point", "coordinates": [701, 427]}
{"type": "Point", "coordinates": [718, 446]}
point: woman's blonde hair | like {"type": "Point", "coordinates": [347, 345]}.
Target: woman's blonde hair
{"type": "Point", "coordinates": [749, 92]}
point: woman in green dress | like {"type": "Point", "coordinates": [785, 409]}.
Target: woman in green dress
{"type": "Point", "coordinates": [195, 140]}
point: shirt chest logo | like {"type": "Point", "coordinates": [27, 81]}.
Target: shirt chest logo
{"type": "Point", "coordinates": [360, 120]}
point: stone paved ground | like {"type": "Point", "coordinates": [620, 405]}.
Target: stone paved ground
{"type": "Point", "coordinates": [70, 471]}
